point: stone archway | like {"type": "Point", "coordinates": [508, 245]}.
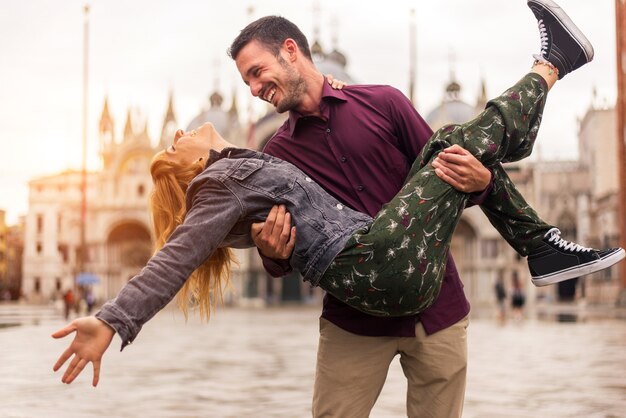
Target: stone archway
{"type": "Point", "coordinates": [129, 246]}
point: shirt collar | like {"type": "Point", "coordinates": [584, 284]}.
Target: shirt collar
{"type": "Point", "coordinates": [328, 94]}
{"type": "Point", "coordinates": [230, 152]}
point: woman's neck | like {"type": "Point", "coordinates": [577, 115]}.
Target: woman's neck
{"type": "Point", "coordinates": [219, 143]}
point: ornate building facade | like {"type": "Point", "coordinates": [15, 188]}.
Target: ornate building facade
{"type": "Point", "coordinates": [51, 235]}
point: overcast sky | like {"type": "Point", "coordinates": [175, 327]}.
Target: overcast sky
{"type": "Point", "coordinates": [140, 50]}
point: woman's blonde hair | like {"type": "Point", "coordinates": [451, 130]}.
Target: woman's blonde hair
{"type": "Point", "coordinates": [205, 286]}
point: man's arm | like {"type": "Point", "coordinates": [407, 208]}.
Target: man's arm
{"type": "Point", "coordinates": [457, 167]}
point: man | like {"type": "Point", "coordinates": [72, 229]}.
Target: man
{"type": "Point", "coordinates": [358, 144]}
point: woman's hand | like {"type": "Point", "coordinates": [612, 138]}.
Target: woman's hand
{"type": "Point", "coordinates": [92, 339]}
{"type": "Point", "coordinates": [335, 84]}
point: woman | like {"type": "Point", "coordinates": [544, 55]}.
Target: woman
{"type": "Point", "coordinates": [202, 207]}
{"type": "Point", "coordinates": [355, 258]}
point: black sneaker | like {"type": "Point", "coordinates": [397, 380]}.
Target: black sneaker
{"type": "Point", "coordinates": [558, 260]}
{"type": "Point", "coordinates": [562, 43]}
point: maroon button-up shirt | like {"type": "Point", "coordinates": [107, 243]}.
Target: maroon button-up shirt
{"type": "Point", "coordinates": [360, 151]}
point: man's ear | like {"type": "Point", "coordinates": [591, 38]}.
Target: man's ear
{"type": "Point", "coordinates": [291, 48]}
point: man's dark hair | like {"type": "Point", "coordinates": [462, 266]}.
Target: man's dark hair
{"type": "Point", "coordinates": [270, 31]}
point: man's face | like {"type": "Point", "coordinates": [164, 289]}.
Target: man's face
{"type": "Point", "coordinates": [272, 79]}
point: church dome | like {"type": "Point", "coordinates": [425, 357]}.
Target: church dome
{"type": "Point", "coordinates": [337, 57]}
{"type": "Point", "coordinates": [452, 109]}
{"type": "Point", "coordinates": [334, 63]}
{"type": "Point", "coordinates": [220, 118]}
{"type": "Point", "coordinates": [217, 117]}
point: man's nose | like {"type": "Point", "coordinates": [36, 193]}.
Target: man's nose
{"type": "Point", "coordinates": [255, 88]}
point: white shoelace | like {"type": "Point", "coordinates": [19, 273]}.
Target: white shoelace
{"type": "Point", "coordinates": [543, 34]}
{"type": "Point", "coordinates": [555, 236]}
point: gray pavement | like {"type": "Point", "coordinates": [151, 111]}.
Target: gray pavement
{"type": "Point", "coordinates": [260, 363]}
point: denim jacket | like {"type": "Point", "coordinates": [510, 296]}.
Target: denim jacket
{"type": "Point", "coordinates": [237, 188]}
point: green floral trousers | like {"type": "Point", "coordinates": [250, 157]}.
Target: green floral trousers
{"type": "Point", "coordinates": [395, 266]}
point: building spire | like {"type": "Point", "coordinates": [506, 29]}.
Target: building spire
{"type": "Point", "coordinates": [452, 63]}
{"type": "Point", "coordinates": [316, 20]}
{"type": "Point", "coordinates": [128, 127]}
{"type": "Point", "coordinates": [169, 123]}
{"type": "Point", "coordinates": [334, 29]}
{"type": "Point", "coordinates": [233, 112]}
{"type": "Point", "coordinates": [106, 122]}
{"type": "Point", "coordinates": [106, 133]}
{"type": "Point", "coordinates": [169, 114]}
{"type": "Point", "coordinates": [482, 99]}
{"type": "Point", "coordinates": [316, 48]}
{"type": "Point", "coordinates": [412, 58]}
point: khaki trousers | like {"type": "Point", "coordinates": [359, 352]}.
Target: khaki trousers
{"type": "Point", "coordinates": [351, 371]}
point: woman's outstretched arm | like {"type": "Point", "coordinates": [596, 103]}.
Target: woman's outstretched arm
{"type": "Point", "coordinates": [92, 339]}
{"type": "Point", "coordinates": [207, 223]}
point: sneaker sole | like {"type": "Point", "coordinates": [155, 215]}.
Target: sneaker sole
{"type": "Point", "coordinates": [569, 25]}
{"type": "Point", "coordinates": [578, 271]}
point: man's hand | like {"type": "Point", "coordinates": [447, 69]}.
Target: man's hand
{"type": "Point", "coordinates": [275, 238]}
{"type": "Point", "coordinates": [92, 339]}
{"type": "Point", "coordinates": [460, 169]}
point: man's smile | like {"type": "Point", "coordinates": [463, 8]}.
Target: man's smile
{"type": "Point", "coordinates": [268, 93]}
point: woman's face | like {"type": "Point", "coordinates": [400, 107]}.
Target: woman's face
{"type": "Point", "coordinates": [189, 147]}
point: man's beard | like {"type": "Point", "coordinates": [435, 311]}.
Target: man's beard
{"type": "Point", "coordinates": [294, 88]}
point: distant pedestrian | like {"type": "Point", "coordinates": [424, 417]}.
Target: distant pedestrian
{"type": "Point", "coordinates": [90, 300]}
{"type": "Point", "coordinates": [68, 300]}
{"type": "Point", "coordinates": [518, 299]}
{"type": "Point", "coordinates": [500, 299]}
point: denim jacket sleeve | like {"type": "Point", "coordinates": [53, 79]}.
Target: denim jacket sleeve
{"type": "Point", "coordinates": [213, 212]}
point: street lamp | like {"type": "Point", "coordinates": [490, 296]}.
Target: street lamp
{"type": "Point", "coordinates": [82, 254]}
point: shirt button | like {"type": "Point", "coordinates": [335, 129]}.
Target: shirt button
{"type": "Point", "coordinates": [308, 179]}
{"type": "Point", "coordinates": [328, 130]}
{"type": "Point", "coordinates": [339, 206]}
{"type": "Point", "coordinates": [360, 187]}
{"type": "Point", "coordinates": [344, 159]}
